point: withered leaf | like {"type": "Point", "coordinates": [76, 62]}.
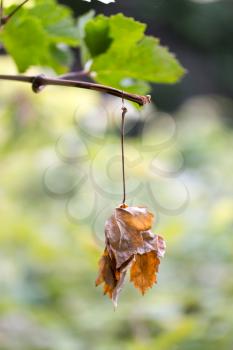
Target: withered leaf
{"type": "Point", "coordinates": [112, 278]}
{"type": "Point", "coordinates": [123, 232]}
{"type": "Point", "coordinates": [143, 270]}
{"type": "Point", "coordinates": [135, 217]}
{"type": "Point", "coordinates": [129, 241]}
{"type": "Point", "coordinates": [106, 274]}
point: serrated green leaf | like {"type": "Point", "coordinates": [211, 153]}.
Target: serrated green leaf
{"type": "Point", "coordinates": [125, 30]}
{"type": "Point", "coordinates": [25, 49]}
{"type": "Point", "coordinates": [40, 35]}
{"type": "Point", "coordinates": [97, 36]}
{"type": "Point", "coordinates": [57, 21]}
{"type": "Point", "coordinates": [148, 61]}
{"type": "Point", "coordinates": [127, 55]}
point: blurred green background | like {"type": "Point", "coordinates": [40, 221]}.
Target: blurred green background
{"type": "Point", "coordinates": [60, 179]}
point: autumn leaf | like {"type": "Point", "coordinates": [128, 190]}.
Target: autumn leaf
{"type": "Point", "coordinates": [106, 274]}
{"type": "Point", "coordinates": [129, 244]}
{"type": "Point", "coordinates": [143, 270]}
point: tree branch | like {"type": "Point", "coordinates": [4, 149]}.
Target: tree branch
{"type": "Point", "coordinates": [40, 81]}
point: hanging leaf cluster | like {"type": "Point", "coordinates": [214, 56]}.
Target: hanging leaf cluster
{"type": "Point", "coordinates": [130, 245]}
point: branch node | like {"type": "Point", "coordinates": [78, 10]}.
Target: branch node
{"type": "Point", "coordinates": [146, 99]}
{"type": "Point", "coordinates": [124, 111]}
{"type": "Point", "coordinates": [38, 83]}
{"type": "Point", "coordinates": [4, 21]}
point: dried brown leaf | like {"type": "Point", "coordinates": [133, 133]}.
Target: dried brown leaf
{"type": "Point", "coordinates": [106, 274]}
{"type": "Point", "coordinates": [123, 232]}
{"type": "Point", "coordinates": [112, 278]}
{"type": "Point", "coordinates": [137, 218]}
{"type": "Point", "coordinates": [129, 240]}
{"type": "Point", "coordinates": [143, 270]}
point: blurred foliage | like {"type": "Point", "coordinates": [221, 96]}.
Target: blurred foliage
{"type": "Point", "coordinates": [114, 50]}
{"type": "Point", "coordinates": [124, 57]}
{"type": "Point", "coordinates": [53, 28]}
{"type": "Point", "coordinates": [198, 31]}
{"type": "Point", "coordinates": [49, 260]}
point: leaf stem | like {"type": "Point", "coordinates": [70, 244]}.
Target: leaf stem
{"type": "Point", "coordinates": [124, 111]}
{"type": "Point", "coordinates": [40, 81]}
{"type": "Point", "coordinates": [6, 18]}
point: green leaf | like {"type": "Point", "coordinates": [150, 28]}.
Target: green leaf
{"type": "Point", "coordinates": [25, 49]}
{"type": "Point", "coordinates": [57, 21]}
{"type": "Point", "coordinates": [82, 21]}
{"type": "Point", "coordinates": [97, 36]}
{"type": "Point", "coordinates": [125, 54]}
{"type": "Point", "coordinates": [40, 35]}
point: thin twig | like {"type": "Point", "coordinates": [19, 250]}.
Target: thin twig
{"type": "Point", "coordinates": [17, 9]}
{"type": "Point", "coordinates": [74, 75]}
{"type": "Point", "coordinates": [5, 19]}
{"type": "Point", "coordinates": [40, 81]}
{"type": "Point", "coordinates": [124, 111]}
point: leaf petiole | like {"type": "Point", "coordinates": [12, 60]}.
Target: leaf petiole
{"type": "Point", "coordinates": [5, 19]}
